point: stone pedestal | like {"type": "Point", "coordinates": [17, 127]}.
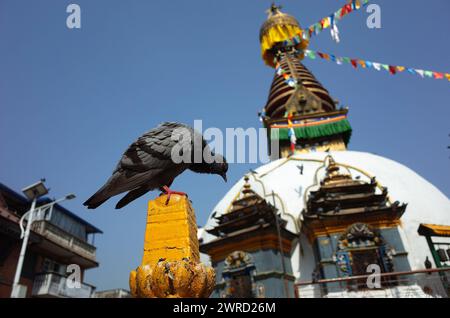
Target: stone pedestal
{"type": "Point", "coordinates": [171, 265]}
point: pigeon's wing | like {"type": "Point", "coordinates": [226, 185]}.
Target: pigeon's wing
{"type": "Point", "coordinates": [143, 163]}
{"type": "Point", "coordinates": [154, 147]}
{"type": "Point", "coordinates": [150, 155]}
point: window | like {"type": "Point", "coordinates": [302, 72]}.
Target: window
{"type": "Point", "coordinates": [238, 274]}
{"type": "Point", "coordinates": [29, 265]}
{"type": "Point", "coordinates": [360, 246]}
{"type": "Point", "coordinates": [68, 224]}
{"type": "Point", "coordinates": [51, 266]}
{"type": "Point", "coordinates": [240, 286]}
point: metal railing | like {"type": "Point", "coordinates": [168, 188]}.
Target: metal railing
{"type": "Point", "coordinates": [428, 283]}
{"type": "Point", "coordinates": [64, 239]}
{"type": "Point", "coordinates": [55, 285]}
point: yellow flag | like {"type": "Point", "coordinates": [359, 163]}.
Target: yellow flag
{"type": "Point", "coordinates": [400, 68]}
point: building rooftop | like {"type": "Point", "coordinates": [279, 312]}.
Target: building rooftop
{"type": "Point", "coordinates": [21, 205]}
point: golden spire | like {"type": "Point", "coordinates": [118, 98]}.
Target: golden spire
{"type": "Point", "coordinates": [334, 175]}
{"type": "Point", "coordinates": [273, 10]}
{"type": "Point", "coordinates": [278, 28]}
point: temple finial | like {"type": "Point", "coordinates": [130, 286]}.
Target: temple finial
{"type": "Point", "coordinates": [274, 9]}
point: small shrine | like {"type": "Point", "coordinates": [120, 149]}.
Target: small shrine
{"type": "Point", "coordinates": [353, 224]}
{"type": "Point", "coordinates": [253, 225]}
{"type": "Point", "coordinates": [341, 201]}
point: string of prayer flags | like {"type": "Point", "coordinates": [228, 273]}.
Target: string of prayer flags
{"type": "Point", "coordinates": [331, 20]}
{"type": "Point", "coordinates": [392, 69]}
{"type": "Point", "coordinates": [292, 82]}
{"type": "Point", "coordinates": [335, 32]}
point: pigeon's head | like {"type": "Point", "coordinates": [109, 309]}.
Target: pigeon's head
{"type": "Point", "coordinates": [219, 166]}
{"type": "Point", "coordinates": [214, 164]}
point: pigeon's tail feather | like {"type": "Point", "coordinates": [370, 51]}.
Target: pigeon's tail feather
{"type": "Point", "coordinates": [97, 199]}
{"type": "Point", "coordinates": [131, 196]}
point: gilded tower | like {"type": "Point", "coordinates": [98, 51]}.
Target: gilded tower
{"type": "Point", "coordinates": [299, 112]}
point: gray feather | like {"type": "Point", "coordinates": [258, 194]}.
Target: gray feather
{"type": "Point", "coordinates": [147, 164]}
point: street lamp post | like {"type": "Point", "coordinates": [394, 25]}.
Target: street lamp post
{"type": "Point", "coordinates": [32, 192]}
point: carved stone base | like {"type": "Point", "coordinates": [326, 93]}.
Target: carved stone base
{"type": "Point", "coordinates": [177, 279]}
{"type": "Point", "coordinates": [171, 262]}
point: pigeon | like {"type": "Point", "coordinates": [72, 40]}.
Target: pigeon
{"type": "Point", "coordinates": [149, 164]}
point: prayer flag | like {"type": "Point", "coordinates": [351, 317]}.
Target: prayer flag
{"type": "Point", "coordinates": [392, 69]}
{"type": "Point", "coordinates": [420, 72]}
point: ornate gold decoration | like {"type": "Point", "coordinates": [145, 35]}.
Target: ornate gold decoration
{"type": "Point", "coordinates": [238, 259]}
{"type": "Point", "coordinates": [360, 232]}
{"type": "Point", "coordinates": [334, 175]}
{"type": "Point", "coordinates": [278, 28]}
{"type": "Point", "coordinates": [276, 17]}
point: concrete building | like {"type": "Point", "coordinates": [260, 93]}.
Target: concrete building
{"type": "Point", "coordinates": [59, 238]}
{"type": "Point", "coordinates": [112, 293]}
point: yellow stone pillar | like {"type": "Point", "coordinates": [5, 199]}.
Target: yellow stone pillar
{"type": "Point", "coordinates": [171, 265]}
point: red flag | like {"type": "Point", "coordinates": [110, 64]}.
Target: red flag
{"type": "Point", "coordinates": [348, 6]}
{"type": "Point", "coordinates": [354, 63]}
{"type": "Point", "coordinates": [289, 118]}
{"type": "Point", "coordinates": [392, 69]}
{"type": "Point", "coordinates": [438, 75]}
{"type": "Point", "coordinates": [320, 54]}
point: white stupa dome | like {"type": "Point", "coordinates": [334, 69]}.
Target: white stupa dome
{"type": "Point", "coordinates": [426, 204]}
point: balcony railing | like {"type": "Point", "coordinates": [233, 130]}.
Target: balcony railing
{"type": "Point", "coordinates": [64, 239]}
{"type": "Point", "coordinates": [432, 283]}
{"type": "Point", "coordinates": [55, 285]}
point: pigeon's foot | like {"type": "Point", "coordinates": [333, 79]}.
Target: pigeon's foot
{"type": "Point", "coordinates": [169, 192]}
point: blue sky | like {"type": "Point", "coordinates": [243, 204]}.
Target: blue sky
{"type": "Point", "coordinates": [71, 101]}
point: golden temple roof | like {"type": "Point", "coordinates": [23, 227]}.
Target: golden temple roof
{"type": "Point", "coordinates": [281, 92]}
{"type": "Point", "coordinates": [276, 17]}
{"type": "Point", "coordinates": [434, 230]}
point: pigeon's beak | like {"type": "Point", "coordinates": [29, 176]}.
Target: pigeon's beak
{"type": "Point", "coordinates": [224, 176]}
